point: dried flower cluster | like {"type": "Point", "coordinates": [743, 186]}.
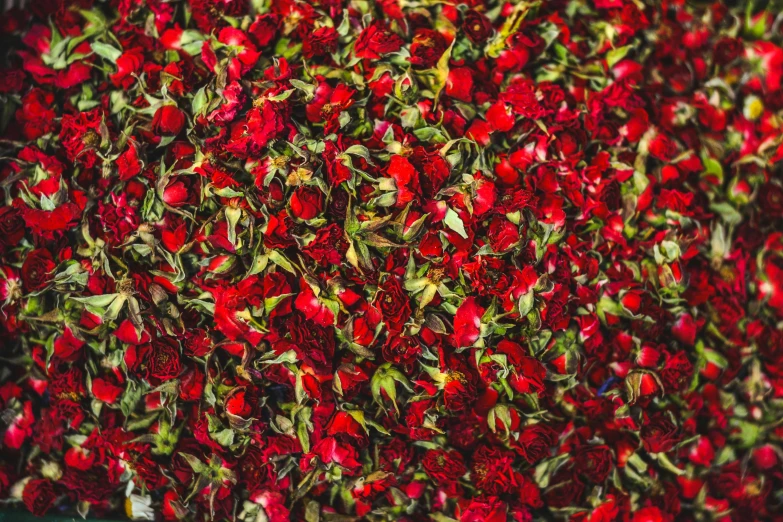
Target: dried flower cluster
{"type": "Point", "coordinates": [392, 260]}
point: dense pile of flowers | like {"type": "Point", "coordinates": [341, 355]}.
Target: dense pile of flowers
{"type": "Point", "coordinates": [451, 260]}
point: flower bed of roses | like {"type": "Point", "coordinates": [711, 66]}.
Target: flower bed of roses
{"type": "Point", "coordinates": [393, 260]}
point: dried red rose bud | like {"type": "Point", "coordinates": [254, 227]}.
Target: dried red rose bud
{"type": "Point", "coordinates": [766, 457]}
{"type": "Point", "coordinates": [306, 203]}
{"type": "Point", "coordinates": [169, 120]}
{"type": "Point", "coordinates": [240, 404]}
{"type": "Point", "coordinates": [647, 357]}
{"type": "Point", "coordinates": [701, 452]}
{"type": "Point", "coordinates": [632, 301]}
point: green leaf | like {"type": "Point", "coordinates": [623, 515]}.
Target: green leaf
{"type": "Point", "coordinates": [199, 103]}
{"type": "Point", "coordinates": [106, 51]}
{"type": "Point", "coordinates": [526, 303]}
{"type": "Point", "coordinates": [281, 261]}
{"type": "Point", "coordinates": [98, 301]}
{"type": "Point", "coordinates": [307, 88]}
{"type": "Point", "coordinates": [728, 213]}
{"type": "Point", "coordinates": [224, 437]}
{"type": "Point", "coordinates": [615, 55]}
{"type": "Point", "coordinates": [454, 222]}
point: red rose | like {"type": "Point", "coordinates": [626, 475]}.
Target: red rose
{"type": "Point", "coordinates": [306, 202]}
{"type": "Point", "coordinates": [528, 491]}
{"type": "Point", "coordinates": [320, 42]}
{"type": "Point", "coordinates": [168, 120]}
{"type": "Point", "coordinates": [467, 322]}
{"type": "Point", "coordinates": [80, 135]}
{"type": "Point", "coordinates": [659, 434]}
{"type": "Point", "coordinates": [535, 442]}
{"type": "Point", "coordinates": [459, 392]}
{"type": "Point", "coordinates": [526, 98]}
{"type": "Point", "coordinates": [164, 362]}
{"type": "Point", "coordinates": [479, 131]}
{"type": "Point", "coordinates": [264, 29]}
{"type": "Point", "coordinates": [158, 360]}
{"type": "Point", "coordinates": [255, 469]}
{"type": "Point", "coordinates": [500, 117]}
{"type": "Point", "coordinates": [275, 285]}
{"type": "Point", "coordinates": [329, 245]}
{"type": "Point", "coordinates": [476, 26]}
{"type": "Point", "coordinates": [208, 14]}
{"type": "Point", "coordinates": [172, 508]}
{"type": "Point", "coordinates": [104, 390]}
{"type": "Point", "coordinates": [401, 350]}
{"type": "Point", "coordinates": [11, 80]}
{"type": "Point", "coordinates": [565, 489]}
{"type": "Point", "coordinates": [459, 84]}
{"type": "Point", "coordinates": [312, 342]}
{"type": "Point", "coordinates": [529, 376]}
{"type": "Point", "coordinates": [128, 64]}
{"type": "Point", "coordinates": [491, 471]}
{"type": "Point", "coordinates": [393, 303]}
{"type": "Point", "coordinates": [727, 49]}
{"type": "Point", "coordinates": [485, 509]}
{"type": "Point", "coordinates": [11, 226]}
{"type": "Point", "coordinates": [406, 179]}
{"type": "Point", "coordinates": [395, 455]}
{"type": "Point", "coordinates": [595, 462]}
{"type": "Point", "coordinates": [37, 269]}
{"type": "Point", "coordinates": [45, 223]}
{"type": "Point", "coordinates": [433, 168]}
{"type": "Point", "coordinates": [427, 48]}
{"type": "Point", "coordinates": [198, 343]}
{"type": "Point", "coordinates": [240, 403]}
{"type": "Point", "coordinates": [117, 219]}
{"type": "Point", "coordinates": [94, 485]}
{"type": "Point", "coordinates": [264, 123]}
{"type": "Point", "coordinates": [502, 234]}
{"type": "Point", "coordinates": [376, 40]}
{"type": "Point", "coordinates": [38, 496]}
{"type": "Point", "coordinates": [337, 170]}
{"type": "Point", "coordinates": [663, 147]}
{"type": "Point", "coordinates": [771, 200]}
{"type": "Point", "coordinates": [181, 190]}
{"type": "Point", "coordinates": [650, 514]}
{"type": "Point", "coordinates": [443, 466]}
{"type": "Point", "coordinates": [36, 115]}
{"type": "Point", "coordinates": [191, 384]}
{"type": "Point", "coordinates": [685, 329]}
{"type": "Point", "coordinates": [128, 163]}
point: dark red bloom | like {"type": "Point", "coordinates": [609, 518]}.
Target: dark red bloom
{"type": "Point", "coordinates": [659, 434]}
{"type": "Point", "coordinates": [443, 466]}
{"type": "Point", "coordinates": [427, 48]}
{"type": "Point", "coordinates": [535, 442]}
{"type": "Point", "coordinates": [376, 40]}
{"type": "Point", "coordinates": [477, 27]}
{"type": "Point", "coordinates": [37, 269]}
{"type": "Point", "coordinates": [393, 303]}
{"type": "Point", "coordinates": [595, 462]}
{"type": "Point", "coordinates": [39, 496]}
{"type": "Point", "coordinates": [158, 360]}
{"type": "Point", "coordinates": [320, 42]}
